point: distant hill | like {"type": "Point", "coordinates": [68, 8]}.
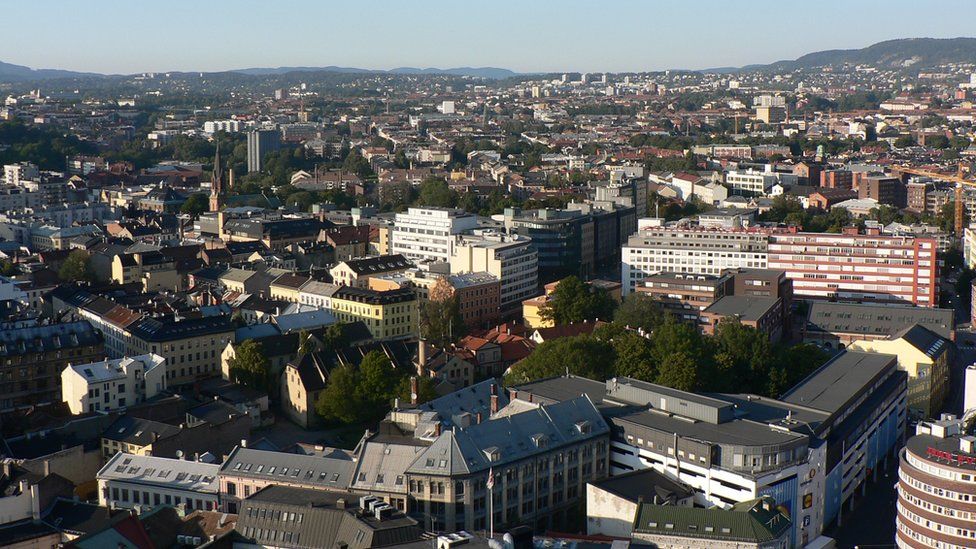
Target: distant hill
{"type": "Point", "coordinates": [20, 73]}
{"type": "Point", "coordinates": [478, 72]}
{"type": "Point", "coordinates": [912, 53]}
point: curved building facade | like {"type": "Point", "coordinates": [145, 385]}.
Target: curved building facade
{"type": "Point", "coordinates": [937, 487]}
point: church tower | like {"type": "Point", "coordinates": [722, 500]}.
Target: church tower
{"type": "Point", "coordinates": [216, 182]}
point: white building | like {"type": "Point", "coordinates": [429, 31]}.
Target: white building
{"type": "Point", "coordinates": [692, 251]}
{"type": "Point", "coordinates": [510, 258]}
{"type": "Point", "coordinates": [129, 481]}
{"type": "Point", "coordinates": [229, 126]}
{"type": "Point", "coordinates": [754, 182]}
{"type": "Point", "coordinates": [112, 384]}
{"type": "Point", "coordinates": [317, 294]}
{"type": "Point", "coordinates": [13, 174]}
{"type": "Point", "coordinates": [969, 389]}
{"type": "Point", "coordinates": [429, 233]}
{"type": "Point", "coordinates": [446, 107]}
{"type": "Point", "coordinates": [969, 247]}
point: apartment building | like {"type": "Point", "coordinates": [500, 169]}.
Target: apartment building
{"type": "Point", "coordinates": [391, 314]}
{"type": "Point", "coordinates": [129, 481]}
{"type": "Point", "coordinates": [685, 295]}
{"type": "Point", "coordinates": [510, 258]}
{"type": "Point", "coordinates": [539, 459]}
{"type": "Point", "coordinates": [429, 233]}
{"type": "Point", "coordinates": [356, 272]}
{"type": "Point", "coordinates": [858, 267]}
{"type": "Point", "coordinates": [192, 347]}
{"type": "Point", "coordinates": [837, 179]}
{"type": "Point", "coordinates": [757, 183]}
{"type": "Point", "coordinates": [33, 357]}
{"type": "Point", "coordinates": [154, 270]}
{"type": "Point", "coordinates": [112, 384]}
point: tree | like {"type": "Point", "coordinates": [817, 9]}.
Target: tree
{"type": "Point", "coordinates": [639, 310]}
{"type": "Point", "coordinates": [339, 401]}
{"type": "Point", "coordinates": [8, 268]}
{"type": "Point", "coordinates": [633, 357]}
{"type": "Point", "coordinates": [378, 381]}
{"type": "Point", "coordinates": [743, 356]}
{"type": "Point", "coordinates": [679, 371]}
{"type": "Point", "coordinates": [584, 356]}
{"type": "Point", "coordinates": [435, 192]}
{"type": "Point", "coordinates": [904, 141]}
{"type": "Point", "coordinates": [575, 301]}
{"type": "Point", "coordinates": [195, 205]}
{"type": "Point", "coordinates": [426, 389]}
{"type": "Point", "coordinates": [249, 366]}
{"type": "Point", "coordinates": [77, 267]}
{"type": "Point", "coordinates": [440, 321]}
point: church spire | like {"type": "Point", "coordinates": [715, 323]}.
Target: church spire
{"type": "Point", "coordinates": [216, 182]}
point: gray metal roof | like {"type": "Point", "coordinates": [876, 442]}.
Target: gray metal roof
{"type": "Point", "coordinates": [876, 320]}
{"type": "Point", "coordinates": [836, 384]}
{"type": "Point", "coordinates": [333, 472]}
{"type": "Point", "coordinates": [743, 307]}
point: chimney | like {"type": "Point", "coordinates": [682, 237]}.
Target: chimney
{"type": "Point", "coordinates": [47, 467]}
{"type": "Point", "coordinates": [494, 399]}
{"type": "Point", "coordinates": [243, 443]}
{"type": "Point", "coordinates": [413, 394]}
{"type": "Point", "coordinates": [478, 418]}
{"type": "Point", "coordinates": [437, 429]}
{"type": "Point", "coordinates": [530, 397]}
{"type": "Point", "coordinates": [421, 355]}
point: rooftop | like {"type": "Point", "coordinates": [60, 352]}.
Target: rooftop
{"type": "Point", "coordinates": [158, 471]}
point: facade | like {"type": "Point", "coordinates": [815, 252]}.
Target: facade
{"type": "Point", "coordinates": [685, 295]}
{"type": "Point", "coordinates": [192, 347]}
{"type": "Point", "coordinates": [885, 189]}
{"type": "Point", "coordinates": [392, 314]}
{"type": "Point", "coordinates": [429, 233]}
{"type": "Point", "coordinates": [691, 251]}
{"type": "Point", "coordinates": [926, 357]}
{"type": "Point", "coordinates": [859, 267]}
{"type": "Point", "coordinates": [765, 314]}
{"type": "Point", "coordinates": [33, 357]}
{"type": "Point", "coordinates": [837, 325]}
{"type": "Point", "coordinates": [152, 269]}
{"type": "Point", "coordinates": [112, 384]}
{"type": "Point", "coordinates": [259, 144]}
{"type": "Point", "coordinates": [511, 259]}
{"type": "Point", "coordinates": [302, 381]}
{"type": "Point", "coordinates": [837, 179]}
{"type": "Point", "coordinates": [936, 487]}
{"type": "Point", "coordinates": [131, 481]}
{"type": "Point", "coordinates": [612, 503]}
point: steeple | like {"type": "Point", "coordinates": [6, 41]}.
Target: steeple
{"type": "Point", "coordinates": [216, 183]}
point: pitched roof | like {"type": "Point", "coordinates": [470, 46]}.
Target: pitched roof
{"type": "Point", "coordinates": [755, 521]}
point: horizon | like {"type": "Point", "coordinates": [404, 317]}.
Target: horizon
{"type": "Point", "coordinates": [527, 39]}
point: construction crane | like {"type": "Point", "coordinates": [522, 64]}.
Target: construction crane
{"type": "Point", "coordinates": [961, 183]}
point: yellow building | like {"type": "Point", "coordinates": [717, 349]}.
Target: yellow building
{"type": "Point", "coordinates": [390, 314]}
{"type": "Point", "coordinates": [152, 269]}
{"type": "Point", "coordinates": [926, 357]}
{"type": "Point", "coordinates": [532, 312]}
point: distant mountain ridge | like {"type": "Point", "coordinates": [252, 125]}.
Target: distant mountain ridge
{"type": "Point", "coordinates": [899, 53]}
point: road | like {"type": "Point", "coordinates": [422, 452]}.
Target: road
{"type": "Point", "coordinates": [872, 523]}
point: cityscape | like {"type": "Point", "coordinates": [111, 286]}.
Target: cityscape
{"type": "Point", "coordinates": [347, 305]}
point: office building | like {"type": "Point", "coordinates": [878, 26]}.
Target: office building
{"type": "Point", "coordinates": [510, 258]}
{"type": "Point", "coordinates": [937, 487]}
{"type": "Point", "coordinates": [259, 144]}
{"type": "Point", "coordinates": [131, 481]}
{"type": "Point", "coordinates": [112, 384]}
{"type": "Point", "coordinates": [429, 233]}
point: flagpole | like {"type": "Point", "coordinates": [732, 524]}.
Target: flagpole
{"type": "Point", "coordinates": [491, 503]}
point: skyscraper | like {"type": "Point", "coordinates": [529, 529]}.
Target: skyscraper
{"type": "Point", "coordinates": [260, 143]}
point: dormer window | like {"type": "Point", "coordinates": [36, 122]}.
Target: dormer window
{"type": "Point", "coordinates": [492, 454]}
{"type": "Point", "coordinates": [584, 427]}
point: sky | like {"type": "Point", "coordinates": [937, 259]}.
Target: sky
{"type": "Point", "coordinates": [115, 36]}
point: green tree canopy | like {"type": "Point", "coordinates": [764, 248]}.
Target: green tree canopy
{"type": "Point", "coordinates": [77, 267]}
{"type": "Point", "coordinates": [435, 192]}
{"type": "Point", "coordinates": [584, 356]}
{"type": "Point", "coordinates": [250, 367]}
{"type": "Point", "coordinates": [196, 204]}
{"type": "Point", "coordinates": [575, 301]}
{"type": "Point", "coordinates": [639, 310]}
{"type": "Point", "coordinates": [440, 321]}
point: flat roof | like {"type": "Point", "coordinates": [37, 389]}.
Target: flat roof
{"type": "Point", "coordinates": [745, 307]}
{"type": "Point", "coordinates": [838, 382]}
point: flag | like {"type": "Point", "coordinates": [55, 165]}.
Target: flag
{"type": "Point", "coordinates": [491, 479]}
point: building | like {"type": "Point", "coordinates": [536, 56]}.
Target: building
{"type": "Point", "coordinates": [612, 503]}
{"type": "Point", "coordinates": [810, 450]}
{"type": "Point", "coordinates": [685, 295]}
{"type": "Point", "coordinates": [858, 267]}
{"type": "Point", "coordinates": [429, 233]}
{"type": "Point", "coordinates": [192, 347]}
{"type": "Point", "coordinates": [302, 381]}
{"type": "Point", "coordinates": [510, 258]}
{"type": "Point", "coordinates": [296, 518]}
{"type": "Point", "coordinates": [259, 144]}
{"type": "Point", "coordinates": [936, 483]}
{"type": "Point", "coordinates": [153, 270]}
{"type": "Point", "coordinates": [131, 481]}
{"type": "Point", "coordinates": [765, 314]}
{"type": "Point", "coordinates": [477, 296]}
{"type": "Point", "coordinates": [757, 183]}
{"type": "Point", "coordinates": [837, 325]}
{"type": "Point", "coordinates": [112, 384]}
{"type": "Point", "coordinates": [755, 524]}
{"type": "Point", "coordinates": [356, 272]}
{"type": "Point", "coordinates": [837, 179]}
{"type": "Point", "coordinates": [885, 189]}
{"type": "Point", "coordinates": [926, 357]}
{"type": "Point", "coordinates": [33, 358]}
{"type": "Point", "coordinates": [770, 114]}
{"type": "Point", "coordinates": [540, 458]}
{"type": "Point", "coordinates": [248, 470]}
{"type": "Point", "coordinates": [690, 251]}
{"type": "Point", "coordinates": [392, 314]}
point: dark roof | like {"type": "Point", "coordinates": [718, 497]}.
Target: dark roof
{"type": "Point", "coordinates": [151, 329]}
{"type": "Point", "coordinates": [247, 247]}
{"type": "Point", "coordinates": [876, 320]}
{"type": "Point", "coordinates": [140, 432]}
{"type": "Point", "coordinates": [835, 385]}
{"type": "Point", "coordinates": [744, 307]}
{"type": "Point", "coordinates": [78, 517]}
{"type": "Point", "coordinates": [52, 337]}
{"type": "Point", "coordinates": [24, 530]}
{"type": "Point", "coordinates": [650, 484]}
{"type": "Point", "coordinates": [378, 264]}
{"type": "Point", "coordinates": [374, 297]}
{"type": "Point", "coordinates": [924, 340]}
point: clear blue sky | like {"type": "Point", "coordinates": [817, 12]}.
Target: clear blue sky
{"type": "Point", "coordinates": [523, 35]}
